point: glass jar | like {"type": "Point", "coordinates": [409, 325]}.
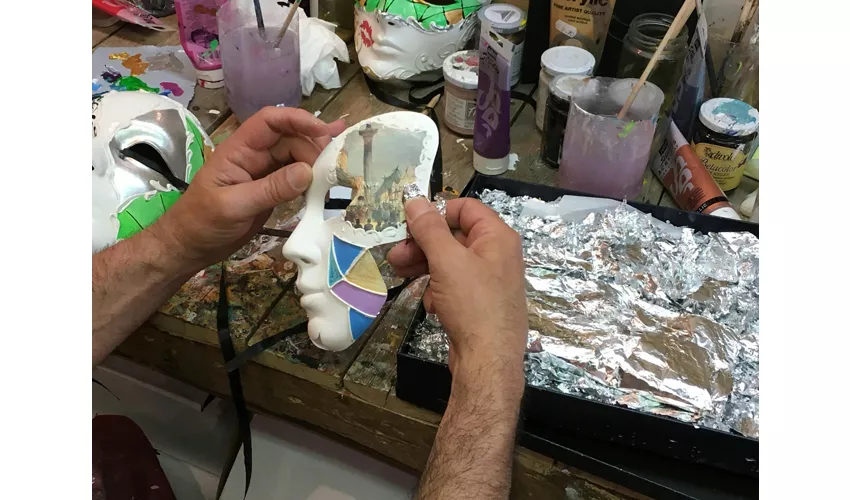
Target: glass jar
{"type": "Point", "coordinates": [724, 138]}
{"type": "Point", "coordinates": [645, 34]}
{"type": "Point", "coordinates": [558, 61]}
{"type": "Point", "coordinates": [509, 21]}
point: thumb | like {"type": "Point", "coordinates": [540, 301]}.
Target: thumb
{"type": "Point", "coordinates": [429, 229]}
{"type": "Point", "coordinates": [280, 186]}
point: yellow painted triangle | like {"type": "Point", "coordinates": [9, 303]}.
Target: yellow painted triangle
{"type": "Point", "coordinates": [365, 274]}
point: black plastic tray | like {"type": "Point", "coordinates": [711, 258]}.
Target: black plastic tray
{"type": "Point", "coordinates": [655, 455]}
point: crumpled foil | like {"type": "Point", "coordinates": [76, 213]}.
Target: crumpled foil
{"type": "Point", "coordinates": [629, 310]}
{"type": "Point", "coordinates": [411, 191]}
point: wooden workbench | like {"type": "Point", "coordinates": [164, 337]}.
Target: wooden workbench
{"type": "Point", "coordinates": [348, 395]}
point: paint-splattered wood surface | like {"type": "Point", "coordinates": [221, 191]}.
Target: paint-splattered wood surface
{"type": "Point", "coordinates": [394, 436]}
{"type": "Point", "coordinates": [350, 395]}
{"type": "Point", "coordinates": [209, 105]}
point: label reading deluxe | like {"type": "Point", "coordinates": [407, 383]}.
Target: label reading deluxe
{"type": "Point", "coordinates": [460, 112]}
{"type": "Point", "coordinates": [726, 165]}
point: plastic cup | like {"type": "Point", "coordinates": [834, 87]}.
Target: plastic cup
{"type": "Point", "coordinates": [602, 154]}
{"type": "Point", "coordinates": [256, 73]}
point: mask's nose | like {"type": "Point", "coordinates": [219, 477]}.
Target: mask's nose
{"type": "Point", "coordinates": [301, 250]}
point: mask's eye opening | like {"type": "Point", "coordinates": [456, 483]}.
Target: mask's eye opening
{"type": "Point", "coordinates": [148, 156]}
{"type": "Point", "coordinates": [441, 3]}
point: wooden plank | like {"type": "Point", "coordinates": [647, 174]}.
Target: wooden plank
{"type": "Point", "coordinates": [99, 34]}
{"type": "Point", "coordinates": [373, 374]}
{"type": "Point", "coordinates": [397, 437]}
{"type": "Point", "coordinates": [208, 105]}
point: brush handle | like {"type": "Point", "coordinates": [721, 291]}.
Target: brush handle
{"type": "Point", "coordinates": [293, 8]}
{"type": "Point", "coordinates": [672, 32]}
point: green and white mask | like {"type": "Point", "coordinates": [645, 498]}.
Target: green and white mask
{"type": "Point", "coordinates": [399, 40]}
{"type": "Point", "coordinates": [145, 150]}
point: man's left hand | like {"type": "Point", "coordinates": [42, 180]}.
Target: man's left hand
{"type": "Point", "coordinates": [233, 194]}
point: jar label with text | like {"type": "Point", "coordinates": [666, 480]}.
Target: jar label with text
{"type": "Point", "coordinates": [726, 165]}
{"type": "Point", "coordinates": [460, 112]}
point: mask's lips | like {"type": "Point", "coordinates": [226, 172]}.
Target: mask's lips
{"type": "Point", "coordinates": [149, 157]}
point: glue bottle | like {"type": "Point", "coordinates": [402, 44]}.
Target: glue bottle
{"type": "Point", "coordinates": [687, 180]}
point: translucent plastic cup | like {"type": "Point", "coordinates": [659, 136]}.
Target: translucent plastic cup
{"type": "Point", "coordinates": [602, 154]}
{"type": "Point", "coordinates": [256, 73]}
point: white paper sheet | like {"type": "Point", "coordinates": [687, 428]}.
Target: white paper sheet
{"type": "Point", "coordinates": [164, 70]}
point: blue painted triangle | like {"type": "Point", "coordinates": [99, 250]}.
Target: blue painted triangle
{"type": "Point", "coordinates": [346, 254]}
{"type": "Point", "coordinates": [334, 276]}
{"type": "Point", "coordinates": [359, 322]}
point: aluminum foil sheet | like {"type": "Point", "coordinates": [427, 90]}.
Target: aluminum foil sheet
{"type": "Point", "coordinates": [629, 310]}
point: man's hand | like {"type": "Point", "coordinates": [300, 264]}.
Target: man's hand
{"type": "Point", "coordinates": [477, 286]}
{"type": "Point", "coordinates": [228, 201]}
{"type": "Point", "coordinates": [233, 194]}
{"type": "Point", "coordinates": [477, 289]}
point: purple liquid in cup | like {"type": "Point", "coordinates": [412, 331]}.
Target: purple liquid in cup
{"type": "Point", "coordinates": [602, 154]}
{"type": "Point", "coordinates": [256, 73]}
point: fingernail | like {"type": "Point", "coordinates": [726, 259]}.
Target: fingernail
{"type": "Point", "coordinates": [299, 176]}
{"type": "Point", "coordinates": [416, 207]}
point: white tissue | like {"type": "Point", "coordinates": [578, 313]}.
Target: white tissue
{"type": "Point", "coordinates": [319, 45]}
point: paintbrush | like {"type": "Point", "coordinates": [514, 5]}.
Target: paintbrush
{"type": "Point", "coordinates": [258, 11]}
{"type": "Point", "coordinates": [293, 8]}
{"type": "Point", "coordinates": [672, 32]}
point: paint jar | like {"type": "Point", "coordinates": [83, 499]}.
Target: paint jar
{"type": "Point", "coordinates": [256, 73]}
{"type": "Point", "coordinates": [602, 154]}
{"type": "Point", "coordinates": [645, 34]}
{"type": "Point", "coordinates": [509, 21]}
{"type": "Point", "coordinates": [557, 61]}
{"type": "Point", "coordinates": [724, 137]}
{"type": "Point", "coordinates": [556, 110]}
{"type": "Point", "coordinates": [460, 71]}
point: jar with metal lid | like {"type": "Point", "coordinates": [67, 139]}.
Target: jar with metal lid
{"type": "Point", "coordinates": [645, 34]}
{"type": "Point", "coordinates": [724, 137]}
{"type": "Point", "coordinates": [557, 110]}
{"type": "Point", "coordinates": [558, 61]}
{"type": "Point", "coordinates": [509, 21]}
{"type": "Point", "coordinates": [460, 71]}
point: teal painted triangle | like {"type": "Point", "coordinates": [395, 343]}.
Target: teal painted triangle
{"type": "Point", "coordinates": [346, 253]}
{"type": "Point", "coordinates": [359, 322]}
{"type": "Point", "coordinates": [334, 276]}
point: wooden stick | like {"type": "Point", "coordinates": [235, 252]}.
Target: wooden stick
{"type": "Point", "coordinates": [432, 104]}
{"type": "Point", "coordinates": [293, 8]}
{"type": "Point", "coordinates": [748, 12]}
{"type": "Point", "coordinates": [672, 32]}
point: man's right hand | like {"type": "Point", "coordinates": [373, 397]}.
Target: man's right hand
{"type": "Point", "coordinates": [477, 286]}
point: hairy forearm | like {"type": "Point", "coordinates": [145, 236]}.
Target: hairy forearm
{"type": "Point", "coordinates": [130, 280]}
{"type": "Point", "coordinates": [473, 450]}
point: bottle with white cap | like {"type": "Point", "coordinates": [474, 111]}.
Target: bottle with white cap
{"type": "Point", "coordinates": [557, 61]}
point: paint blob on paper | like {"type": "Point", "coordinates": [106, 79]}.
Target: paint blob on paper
{"type": "Point", "coordinates": [172, 87]}
{"type": "Point", "coordinates": [161, 70]}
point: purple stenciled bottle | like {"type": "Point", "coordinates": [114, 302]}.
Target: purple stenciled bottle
{"type": "Point", "coordinates": [491, 142]}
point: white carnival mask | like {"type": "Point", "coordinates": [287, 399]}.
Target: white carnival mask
{"type": "Point", "coordinates": [398, 40]}
{"type": "Point", "coordinates": [145, 150]}
{"type": "Point", "coordinates": [342, 288]}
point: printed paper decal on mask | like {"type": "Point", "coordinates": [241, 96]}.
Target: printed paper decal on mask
{"type": "Point", "coordinates": [399, 40]}
{"type": "Point", "coordinates": [145, 147]}
{"type": "Point", "coordinates": [342, 288]}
